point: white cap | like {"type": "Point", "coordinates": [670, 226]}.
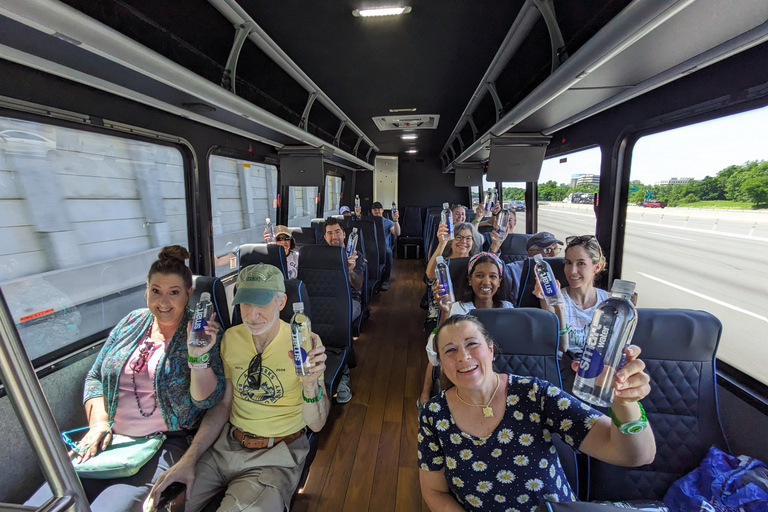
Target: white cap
{"type": "Point", "coordinates": [623, 287]}
{"type": "Point", "coordinates": [205, 296]}
{"type": "Point", "coordinates": [445, 206]}
{"type": "Point", "coordinates": [268, 221]}
{"type": "Point", "coordinates": [538, 257]}
{"type": "Point", "coordinates": [354, 230]}
{"type": "Point", "coordinates": [298, 306]}
{"type": "Point", "coordinates": [439, 260]}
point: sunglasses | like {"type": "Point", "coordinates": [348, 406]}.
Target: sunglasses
{"type": "Point", "coordinates": [138, 364]}
{"type": "Point", "coordinates": [283, 239]}
{"type": "Point", "coordinates": [579, 240]}
{"type": "Point", "coordinates": [254, 372]}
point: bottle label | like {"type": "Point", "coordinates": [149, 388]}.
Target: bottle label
{"type": "Point", "coordinates": [592, 361]}
{"type": "Point", "coordinates": [299, 354]}
{"type": "Point", "coordinates": [547, 286]}
{"type": "Point", "coordinates": [199, 323]}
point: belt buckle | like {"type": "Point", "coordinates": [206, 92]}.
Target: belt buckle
{"type": "Point", "coordinates": [246, 435]}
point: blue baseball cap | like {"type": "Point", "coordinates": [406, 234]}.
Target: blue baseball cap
{"type": "Point", "coordinates": [344, 209]}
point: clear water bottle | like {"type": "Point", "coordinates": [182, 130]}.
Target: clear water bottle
{"type": "Point", "coordinates": [546, 279]}
{"type": "Point", "coordinates": [609, 334]}
{"type": "Point", "coordinates": [301, 337]}
{"type": "Point", "coordinates": [443, 277]}
{"type": "Point", "coordinates": [447, 217]}
{"type": "Point", "coordinates": [270, 232]}
{"type": "Point", "coordinates": [201, 317]}
{"type": "Point", "coordinates": [357, 203]}
{"type": "Point", "coordinates": [502, 219]}
{"type": "Point", "coordinates": [352, 242]}
{"type": "Point", "coordinates": [490, 201]}
{"type": "Point", "coordinates": [394, 207]}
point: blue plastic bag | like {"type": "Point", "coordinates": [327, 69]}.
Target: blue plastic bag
{"type": "Point", "coordinates": [722, 483]}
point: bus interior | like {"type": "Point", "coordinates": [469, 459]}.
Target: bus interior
{"type": "Point", "coordinates": [128, 125]}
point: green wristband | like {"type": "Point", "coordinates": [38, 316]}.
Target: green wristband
{"type": "Point", "coordinates": [317, 398]}
{"type": "Point", "coordinates": [631, 427]}
{"type": "Point", "coordinates": [202, 359]}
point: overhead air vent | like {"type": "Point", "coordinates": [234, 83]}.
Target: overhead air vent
{"type": "Point", "coordinates": [407, 122]}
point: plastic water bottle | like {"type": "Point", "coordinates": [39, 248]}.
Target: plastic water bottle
{"type": "Point", "coordinates": [301, 337]}
{"type": "Point", "coordinates": [502, 219]}
{"type": "Point", "coordinates": [270, 232]}
{"type": "Point", "coordinates": [394, 207]}
{"type": "Point", "coordinates": [609, 334]}
{"type": "Point", "coordinates": [546, 279]}
{"type": "Point", "coordinates": [200, 319]}
{"type": "Point", "coordinates": [447, 217]}
{"type": "Point", "coordinates": [443, 277]}
{"type": "Point", "coordinates": [352, 242]}
{"type": "Point", "coordinates": [357, 203]}
{"type": "Point", "coordinates": [490, 201]}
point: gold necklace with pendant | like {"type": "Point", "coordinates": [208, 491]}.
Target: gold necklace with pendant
{"type": "Point", "coordinates": [487, 409]}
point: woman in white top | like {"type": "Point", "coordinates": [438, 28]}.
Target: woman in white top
{"type": "Point", "coordinates": [284, 239]}
{"type": "Point", "coordinates": [584, 260]}
{"type": "Point", "coordinates": [483, 289]}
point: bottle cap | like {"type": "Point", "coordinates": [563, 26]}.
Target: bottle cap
{"type": "Point", "coordinates": [205, 296]}
{"type": "Point", "coordinates": [538, 257]}
{"type": "Point", "coordinates": [268, 221]}
{"type": "Point", "coordinates": [354, 230]}
{"type": "Point", "coordinates": [445, 206]}
{"type": "Point", "coordinates": [439, 260]}
{"type": "Point", "coordinates": [623, 287]}
{"type": "Point", "coordinates": [298, 307]}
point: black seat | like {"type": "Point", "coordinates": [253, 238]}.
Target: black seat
{"type": "Point", "coordinates": [458, 270]}
{"type": "Point", "coordinates": [381, 237]}
{"type": "Point", "coordinates": [323, 270]}
{"type": "Point", "coordinates": [525, 297]}
{"type": "Point", "coordinates": [514, 247]}
{"type": "Point", "coordinates": [412, 231]}
{"type": "Point", "coordinates": [678, 348]}
{"type": "Point", "coordinates": [528, 339]}
{"type": "Point", "coordinates": [272, 254]}
{"type": "Point", "coordinates": [214, 286]}
{"type": "Point", "coordinates": [368, 240]}
{"type": "Point", "coordinates": [431, 242]}
{"type": "Point", "coordinates": [303, 236]}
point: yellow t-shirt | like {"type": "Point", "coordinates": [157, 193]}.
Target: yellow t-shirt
{"type": "Point", "coordinates": [274, 410]}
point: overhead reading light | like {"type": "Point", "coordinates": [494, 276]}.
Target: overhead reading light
{"type": "Point", "coordinates": [410, 136]}
{"type": "Point", "coordinates": [381, 11]}
{"type": "Point", "coordinates": [396, 110]}
{"type": "Point", "coordinates": [412, 151]}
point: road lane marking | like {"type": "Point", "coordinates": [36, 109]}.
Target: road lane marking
{"type": "Point", "coordinates": [680, 228]}
{"type": "Point", "coordinates": [670, 236]}
{"type": "Point", "coordinates": [706, 297]}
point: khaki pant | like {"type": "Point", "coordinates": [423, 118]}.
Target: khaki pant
{"type": "Point", "coordinates": [255, 480]}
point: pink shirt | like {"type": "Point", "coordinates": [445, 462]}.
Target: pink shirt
{"type": "Point", "coordinates": [128, 419]}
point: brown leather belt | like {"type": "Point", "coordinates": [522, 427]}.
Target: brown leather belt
{"type": "Point", "coordinates": [254, 442]}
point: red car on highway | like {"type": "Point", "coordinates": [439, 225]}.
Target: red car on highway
{"type": "Point", "coordinates": [653, 204]}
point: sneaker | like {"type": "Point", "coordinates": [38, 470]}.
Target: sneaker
{"type": "Point", "coordinates": [343, 393]}
{"type": "Point", "coordinates": [384, 287]}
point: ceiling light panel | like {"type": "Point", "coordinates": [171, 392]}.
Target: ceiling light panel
{"type": "Point", "coordinates": [381, 11]}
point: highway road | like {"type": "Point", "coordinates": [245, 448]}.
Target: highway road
{"type": "Point", "coordinates": [716, 263]}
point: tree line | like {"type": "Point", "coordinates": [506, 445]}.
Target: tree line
{"type": "Point", "coordinates": [747, 182]}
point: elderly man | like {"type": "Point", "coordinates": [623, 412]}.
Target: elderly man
{"type": "Point", "coordinates": [543, 243]}
{"type": "Point", "coordinates": [252, 443]}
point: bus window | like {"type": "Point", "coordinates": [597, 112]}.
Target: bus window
{"type": "Point", "coordinates": [513, 200]}
{"type": "Point", "coordinates": [566, 185]}
{"type": "Point", "coordinates": [697, 228]}
{"type": "Point", "coordinates": [243, 196]}
{"type": "Point", "coordinates": [474, 197]}
{"type": "Point", "coordinates": [302, 206]}
{"type": "Point", "coordinates": [84, 215]}
{"type": "Point", "coordinates": [332, 201]}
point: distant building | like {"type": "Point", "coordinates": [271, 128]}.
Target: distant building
{"type": "Point", "coordinates": [579, 179]}
{"type": "Point", "coordinates": [674, 181]}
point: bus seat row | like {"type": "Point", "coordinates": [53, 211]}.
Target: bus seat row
{"type": "Point", "coordinates": [678, 348]}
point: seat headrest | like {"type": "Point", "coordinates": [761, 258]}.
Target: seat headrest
{"type": "Point", "coordinates": [321, 257]}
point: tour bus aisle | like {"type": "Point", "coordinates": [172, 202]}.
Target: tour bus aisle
{"type": "Point", "coordinates": [367, 454]}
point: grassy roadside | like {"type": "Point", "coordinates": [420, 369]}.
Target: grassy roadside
{"type": "Point", "coordinates": [731, 205]}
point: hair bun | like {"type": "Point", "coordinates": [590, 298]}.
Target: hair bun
{"type": "Point", "coordinates": [173, 252]}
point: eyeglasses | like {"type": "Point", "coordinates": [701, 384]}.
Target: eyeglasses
{"type": "Point", "coordinates": [283, 239]}
{"type": "Point", "coordinates": [578, 240]}
{"type": "Point", "coordinates": [551, 250]}
{"type": "Point", "coordinates": [254, 372]}
{"type": "Point", "coordinates": [463, 238]}
{"type": "Point", "coordinates": [139, 363]}
{"type": "Point", "coordinates": [72, 445]}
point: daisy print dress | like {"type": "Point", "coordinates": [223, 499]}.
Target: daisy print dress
{"type": "Point", "coordinates": [516, 467]}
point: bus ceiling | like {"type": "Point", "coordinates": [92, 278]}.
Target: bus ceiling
{"type": "Point", "coordinates": [298, 73]}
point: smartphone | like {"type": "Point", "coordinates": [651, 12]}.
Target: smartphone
{"type": "Point", "coordinates": [172, 498]}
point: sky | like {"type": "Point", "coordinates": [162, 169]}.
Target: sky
{"type": "Point", "coordinates": [693, 151]}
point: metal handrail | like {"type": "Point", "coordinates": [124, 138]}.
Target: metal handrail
{"type": "Point", "coordinates": [36, 419]}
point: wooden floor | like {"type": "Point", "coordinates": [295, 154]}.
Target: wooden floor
{"type": "Point", "coordinates": [367, 454]}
